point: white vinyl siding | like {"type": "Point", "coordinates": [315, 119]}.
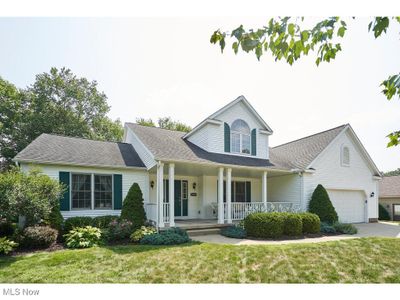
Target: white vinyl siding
{"type": "Point", "coordinates": [284, 188]}
{"type": "Point", "coordinates": [332, 175]}
{"type": "Point", "coordinates": [129, 177]}
{"type": "Point", "coordinates": [211, 137]}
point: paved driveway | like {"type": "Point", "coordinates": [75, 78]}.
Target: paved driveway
{"type": "Point", "coordinates": [378, 229]}
{"type": "Point", "coordinates": [364, 230]}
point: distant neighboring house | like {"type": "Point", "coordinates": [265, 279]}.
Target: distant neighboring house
{"type": "Point", "coordinates": [221, 170]}
{"type": "Point", "coordinates": [389, 195]}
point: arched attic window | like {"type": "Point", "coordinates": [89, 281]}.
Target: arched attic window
{"type": "Point", "coordinates": [345, 155]}
{"type": "Point", "coordinates": [240, 137]}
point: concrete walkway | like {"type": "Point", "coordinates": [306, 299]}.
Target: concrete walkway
{"type": "Point", "coordinates": [364, 230]}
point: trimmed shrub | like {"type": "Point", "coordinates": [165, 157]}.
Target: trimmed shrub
{"type": "Point", "coordinates": [141, 232]}
{"type": "Point", "coordinates": [327, 228]}
{"type": "Point", "coordinates": [235, 232]}
{"type": "Point", "coordinates": [103, 221]}
{"type": "Point", "coordinates": [264, 225]}
{"type": "Point", "coordinates": [6, 245]}
{"type": "Point", "coordinates": [83, 237]}
{"type": "Point", "coordinates": [74, 222]}
{"type": "Point", "coordinates": [292, 225]}
{"type": "Point", "coordinates": [171, 236]}
{"type": "Point", "coordinates": [321, 205]}
{"type": "Point", "coordinates": [311, 222]}
{"type": "Point", "coordinates": [164, 238]}
{"type": "Point", "coordinates": [345, 228]}
{"type": "Point", "coordinates": [55, 219]}
{"type": "Point", "coordinates": [6, 228]}
{"type": "Point", "coordinates": [383, 213]}
{"type": "Point", "coordinates": [132, 207]}
{"type": "Point", "coordinates": [39, 237]}
{"type": "Point", "coordinates": [119, 230]}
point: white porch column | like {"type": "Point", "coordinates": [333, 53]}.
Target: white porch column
{"type": "Point", "coordinates": [171, 179]}
{"type": "Point", "coordinates": [221, 196]}
{"type": "Point", "coordinates": [228, 195]}
{"type": "Point", "coordinates": [160, 198]}
{"type": "Point", "coordinates": [264, 189]}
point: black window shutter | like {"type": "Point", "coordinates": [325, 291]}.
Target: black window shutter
{"type": "Point", "coordinates": [254, 142]}
{"type": "Point", "coordinates": [117, 191]}
{"type": "Point", "coordinates": [64, 201]}
{"type": "Point", "coordinates": [248, 191]}
{"type": "Point", "coordinates": [227, 137]}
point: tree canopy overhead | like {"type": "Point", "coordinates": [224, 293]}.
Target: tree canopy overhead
{"type": "Point", "coordinates": [57, 102]}
{"type": "Point", "coordinates": [287, 38]}
{"type": "Point", "coordinates": [166, 123]}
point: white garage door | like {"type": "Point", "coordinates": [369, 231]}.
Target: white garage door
{"type": "Point", "coordinates": [349, 205]}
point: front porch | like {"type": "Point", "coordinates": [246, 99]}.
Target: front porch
{"type": "Point", "coordinates": [207, 196]}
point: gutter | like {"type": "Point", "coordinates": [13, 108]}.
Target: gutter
{"type": "Point", "coordinates": [31, 161]}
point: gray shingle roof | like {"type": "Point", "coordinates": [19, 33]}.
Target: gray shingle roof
{"type": "Point", "coordinates": [389, 186]}
{"type": "Point", "coordinates": [77, 151]}
{"type": "Point", "coordinates": [169, 145]}
{"type": "Point", "coordinates": [300, 153]}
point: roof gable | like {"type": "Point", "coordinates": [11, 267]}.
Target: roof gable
{"type": "Point", "coordinates": [299, 154]}
{"type": "Point", "coordinates": [242, 101]}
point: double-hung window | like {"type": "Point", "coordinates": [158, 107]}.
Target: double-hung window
{"type": "Point", "coordinates": [91, 191]}
{"type": "Point", "coordinates": [240, 137]}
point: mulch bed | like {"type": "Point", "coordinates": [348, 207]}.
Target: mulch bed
{"type": "Point", "coordinates": [52, 248]}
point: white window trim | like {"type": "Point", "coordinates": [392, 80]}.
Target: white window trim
{"type": "Point", "coordinates": [342, 162]}
{"type": "Point", "coordinates": [91, 191]}
{"type": "Point", "coordinates": [240, 139]}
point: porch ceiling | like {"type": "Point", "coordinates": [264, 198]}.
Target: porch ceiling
{"type": "Point", "coordinates": [188, 169]}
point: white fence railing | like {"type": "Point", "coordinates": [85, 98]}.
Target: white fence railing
{"type": "Point", "coordinates": [166, 212]}
{"type": "Point", "coordinates": [240, 210]}
{"type": "Point", "coordinates": [283, 207]}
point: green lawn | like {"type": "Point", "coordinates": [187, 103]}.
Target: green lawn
{"type": "Point", "coordinates": [355, 260]}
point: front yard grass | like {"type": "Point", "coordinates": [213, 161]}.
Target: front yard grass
{"type": "Point", "coordinates": [365, 260]}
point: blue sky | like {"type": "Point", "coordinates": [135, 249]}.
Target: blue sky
{"type": "Point", "coordinates": [151, 67]}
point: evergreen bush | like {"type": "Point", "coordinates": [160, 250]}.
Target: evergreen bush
{"type": "Point", "coordinates": [321, 205]}
{"type": "Point", "coordinates": [383, 213]}
{"type": "Point", "coordinates": [132, 207]}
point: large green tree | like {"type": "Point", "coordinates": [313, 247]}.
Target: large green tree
{"type": "Point", "coordinates": [57, 102]}
{"type": "Point", "coordinates": [166, 123]}
{"type": "Point", "coordinates": [289, 39]}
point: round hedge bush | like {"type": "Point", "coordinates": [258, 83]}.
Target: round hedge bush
{"type": "Point", "coordinates": [236, 232]}
{"type": "Point", "coordinates": [39, 237]}
{"type": "Point", "coordinates": [311, 222]}
{"type": "Point", "coordinates": [264, 225]}
{"type": "Point", "coordinates": [293, 224]}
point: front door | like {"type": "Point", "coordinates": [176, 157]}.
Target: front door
{"type": "Point", "coordinates": [180, 197]}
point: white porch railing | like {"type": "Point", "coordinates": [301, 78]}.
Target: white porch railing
{"type": "Point", "coordinates": [283, 207]}
{"type": "Point", "coordinates": [240, 210]}
{"type": "Point", "coordinates": [166, 212]}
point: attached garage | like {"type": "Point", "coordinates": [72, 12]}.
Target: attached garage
{"type": "Point", "coordinates": [350, 205]}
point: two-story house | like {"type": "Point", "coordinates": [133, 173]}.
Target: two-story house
{"type": "Point", "coordinates": [221, 170]}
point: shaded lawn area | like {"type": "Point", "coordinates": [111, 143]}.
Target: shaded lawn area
{"type": "Point", "coordinates": [355, 260]}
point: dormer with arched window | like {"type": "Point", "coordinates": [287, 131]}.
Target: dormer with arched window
{"type": "Point", "coordinates": [240, 137]}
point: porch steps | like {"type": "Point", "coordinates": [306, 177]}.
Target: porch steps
{"type": "Point", "coordinates": [206, 231]}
